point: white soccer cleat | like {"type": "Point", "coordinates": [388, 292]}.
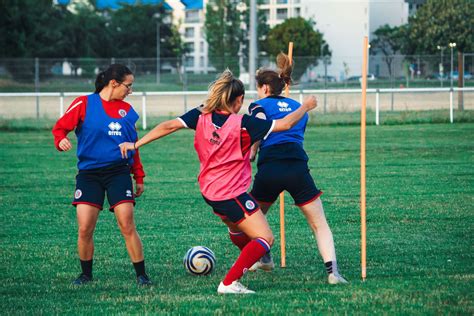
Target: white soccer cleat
{"type": "Point", "coordinates": [336, 278]}
{"type": "Point", "coordinates": [265, 263]}
{"type": "Point", "coordinates": [233, 288]}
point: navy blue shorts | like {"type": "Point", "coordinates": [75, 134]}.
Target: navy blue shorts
{"type": "Point", "coordinates": [277, 176]}
{"type": "Point", "coordinates": [91, 186]}
{"type": "Point", "coordinates": [234, 209]}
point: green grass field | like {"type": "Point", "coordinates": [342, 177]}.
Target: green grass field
{"type": "Point", "coordinates": [420, 222]}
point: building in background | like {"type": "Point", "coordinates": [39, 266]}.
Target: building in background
{"type": "Point", "coordinates": [343, 23]}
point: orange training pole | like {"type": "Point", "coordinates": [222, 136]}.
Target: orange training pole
{"type": "Point", "coordinates": [362, 159]}
{"type": "Point", "coordinates": [282, 194]}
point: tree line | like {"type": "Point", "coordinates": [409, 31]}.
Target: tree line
{"type": "Point", "coordinates": [38, 28]}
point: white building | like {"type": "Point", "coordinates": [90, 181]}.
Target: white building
{"type": "Point", "coordinates": [344, 23]}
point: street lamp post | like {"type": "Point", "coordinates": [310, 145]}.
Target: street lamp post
{"type": "Point", "coordinates": [325, 73]}
{"type": "Point", "coordinates": [158, 48]}
{"type": "Point", "coordinates": [241, 7]}
{"type": "Point", "coordinates": [253, 43]}
{"type": "Point", "coordinates": [452, 45]}
{"type": "Point", "coordinates": [441, 68]}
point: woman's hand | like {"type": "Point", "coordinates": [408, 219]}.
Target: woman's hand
{"type": "Point", "coordinates": [65, 144]}
{"type": "Point", "coordinates": [139, 189]}
{"type": "Point", "coordinates": [310, 103]}
{"type": "Point", "coordinates": [125, 147]}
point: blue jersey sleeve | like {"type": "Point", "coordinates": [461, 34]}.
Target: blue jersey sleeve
{"type": "Point", "coordinates": [257, 128]}
{"type": "Point", "coordinates": [191, 118]}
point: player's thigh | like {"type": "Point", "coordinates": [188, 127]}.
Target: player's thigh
{"type": "Point", "coordinates": [87, 216]}
{"type": "Point", "coordinates": [268, 182]}
{"type": "Point", "coordinates": [256, 226]}
{"type": "Point", "coordinates": [124, 215]}
{"type": "Point", "coordinates": [314, 212]}
{"type": "Point", "coordinates": [119, 188]}
{"type": "Point", "coordinates": [236, 209]}
{"type": "Point", "coordinates": [300, 184]}
{"type": "Point", "coordinates": [89, 190]}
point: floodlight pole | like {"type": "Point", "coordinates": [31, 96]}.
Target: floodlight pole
{"type": "Point", "coordinates": [253, 43]}
{"type": "Point", "coordinates": [158, 51]}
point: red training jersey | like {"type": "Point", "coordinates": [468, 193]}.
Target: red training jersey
{"type": "Point", "coordinates": [75, 115]}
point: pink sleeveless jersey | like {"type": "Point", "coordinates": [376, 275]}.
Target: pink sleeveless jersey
{"type": "Point", "coordinates": [225, 173]}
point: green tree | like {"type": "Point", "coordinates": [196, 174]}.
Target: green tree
{"type": "Point", "coordinates": [388, 41]}
{"type": "Point", "coordinates": [306, 40]}
{"type": "Point", "coordinates": [133, 31]}
{"type": "Point", "coordinates": [439, 22]}
{"type": "Point", "coordinates": [223, 34]}
{"type": "Point", "coordinates": [33, 28]}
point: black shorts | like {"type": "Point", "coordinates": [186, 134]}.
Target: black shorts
{"type": "Point", "coordinates": [234, 209]}
{"type": "Point", "coordinates": [91, 186]}
{"type": "Point", "coordinates": [277, 176]}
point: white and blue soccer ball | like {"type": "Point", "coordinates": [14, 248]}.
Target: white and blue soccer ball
{"type": "Point", "coordinates": [199, 260]}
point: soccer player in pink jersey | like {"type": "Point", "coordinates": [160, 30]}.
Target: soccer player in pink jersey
{"type": "Point", "coordinates": [222, 141]}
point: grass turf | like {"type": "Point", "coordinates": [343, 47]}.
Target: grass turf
{"type": "Point", "coordinates": [420, 230]}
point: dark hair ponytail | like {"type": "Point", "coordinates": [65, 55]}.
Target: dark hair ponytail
{"type": "Point", "coordinates": [116, 72]}
{"type": "Point", "coordinates": [276, 80]}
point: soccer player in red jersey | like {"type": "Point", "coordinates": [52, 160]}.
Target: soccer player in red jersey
{"type": "Point", "coordinates": [101, 121]}
{"type": "Point", "coordinates": [222, 141]}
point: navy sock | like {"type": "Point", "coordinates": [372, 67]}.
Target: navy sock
{"type": "Point", "coordinates": [331, 267]}
{"type": "Point", "coordinates": [86, 267]}
{"type": "Point", "coordinates": [139, 267]}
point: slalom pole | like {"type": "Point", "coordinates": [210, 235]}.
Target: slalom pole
{"type": "Point", "coordinates": [282, 194]}
{"type": "Point", "coordinates": [362, 160]}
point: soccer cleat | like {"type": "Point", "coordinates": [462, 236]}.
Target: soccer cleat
{"type": "Point", "coordinates": [265, 263]}
{"type": "Point", "coordinates": [336, 278]}
{"type": "Point", "coordinates": [144, 280]}
{"type": "Point", "coordinates": [233, 288]}
{"type": "Point", "coordinates": [82, 279]}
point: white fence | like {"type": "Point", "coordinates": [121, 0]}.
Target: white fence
{"type": "Point", "coordinates": [174, 103]}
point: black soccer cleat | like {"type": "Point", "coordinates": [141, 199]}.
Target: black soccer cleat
{"type": "Point", "coordinates": [82, 279]}
{"type": "Point", "coordinates": [144, 280]}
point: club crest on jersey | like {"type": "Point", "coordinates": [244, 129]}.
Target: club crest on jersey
{"type": "Point", "coordinates": [115, 129]}
{"type": "Point", "coordinates": [77, 194]}
{"type": "Point", "coordinates": [216, 139]}
{"type": "Point", "coordinates": [122, 112]}
{"type": "Point", "coordinates": [250, 205]}
{"type": "Point", "coordinates": [283, 106]}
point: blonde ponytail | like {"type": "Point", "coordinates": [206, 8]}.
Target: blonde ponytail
{"type": "Point", "coordinates": [223, 92]}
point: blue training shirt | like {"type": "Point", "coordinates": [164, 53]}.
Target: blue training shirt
{"type": "Point", "coordinates": [99, 136]}
{"type": "Point", "coordinates": [280, 145]}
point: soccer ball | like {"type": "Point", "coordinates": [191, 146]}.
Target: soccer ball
{"type": "Point", "coordinates": [199, 260]}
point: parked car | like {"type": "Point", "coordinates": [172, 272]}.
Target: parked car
{"type": "Point", "coordinates": [370, 77]}
{"type": "Point", "coordinates": [437, 76]}
{"type": "Point", "coordinates": [321, 78]}
{"type": "Point", "coordinates": [467, 75]}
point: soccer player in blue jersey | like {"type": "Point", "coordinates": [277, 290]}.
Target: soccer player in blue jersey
{"type": "Point", "coordinates": [283, 165]}
{"type": "Point", "coordinates": [101, 121]}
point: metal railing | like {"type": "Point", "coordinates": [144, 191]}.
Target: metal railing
{"type": "Point", "coordinates": [299, 94]}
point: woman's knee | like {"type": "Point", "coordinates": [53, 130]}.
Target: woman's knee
{"type": "Point", "coordinates": [85, 232]}
{"type": "Point", "coordinates": [269, 238]}
{"type": "Point", "coordinates": [127, 228]}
